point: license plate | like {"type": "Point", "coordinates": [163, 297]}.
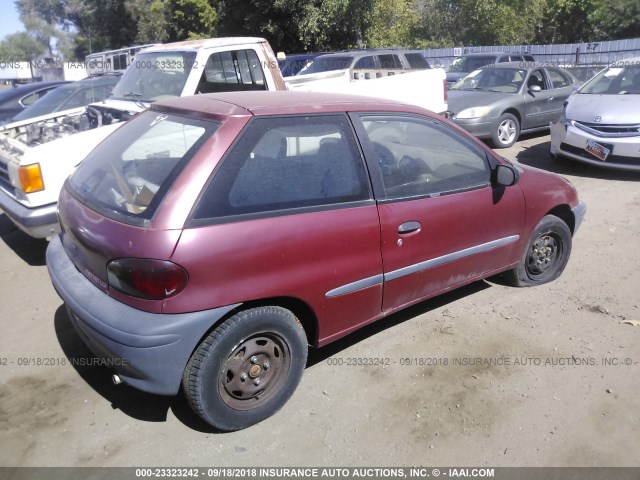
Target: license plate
{"type": "Point", "coordinates": [597, 150]}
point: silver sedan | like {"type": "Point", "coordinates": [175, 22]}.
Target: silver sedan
{"type": "Point", "coordinates": [601, 125]}
{"type": "Point", "coordinates": [499, 102]}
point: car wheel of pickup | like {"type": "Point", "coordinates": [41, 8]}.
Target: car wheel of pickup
{"type": "Point", "coordinates": [546, 255]}
{"type": "Point", "coordinates": [246, 369]}
{"type": "Point", "coordinates": [506, 131]}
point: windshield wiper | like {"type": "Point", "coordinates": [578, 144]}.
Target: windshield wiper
{"type": "Point", "coordinates": [132, 94]}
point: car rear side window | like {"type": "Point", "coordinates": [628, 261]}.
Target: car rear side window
{"type": "Point", "coordinates": [366, 62]}
{"type": "Point", "coordinates": [282, 163]}
{"type": "Point", "coordinates": [416, 61]}
{"type": "Point", "coordinates": [127, 175]}
{"type": "Point", "coordinates": [390, 62]}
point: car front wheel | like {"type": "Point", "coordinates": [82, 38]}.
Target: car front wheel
{"type": "Point", "coordinates": [247, 368]}
{"type": "Point", "coordinates": [506, 131]}
{"type": "Point", "coordinates": [546, 255]}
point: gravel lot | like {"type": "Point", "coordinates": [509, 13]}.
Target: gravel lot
{"type": "Point", "coordinates": [561, 394]}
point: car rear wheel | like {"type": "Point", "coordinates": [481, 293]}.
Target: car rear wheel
{"type": "Point", "coordinates": [555, 158]}
{"type": "Point", "coordinates": [546, 255]}
{"type": "Point", "coordinates": [247, 368]}
{"type": "Point", "coordinates": [506, 131]}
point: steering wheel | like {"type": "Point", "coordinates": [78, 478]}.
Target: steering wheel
{"type": "Point", "coordinates": [386, 160]}
{"type": "Point", "coordinates": [414, 164]}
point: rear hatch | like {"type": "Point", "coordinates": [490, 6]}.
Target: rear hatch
{"type": "Point", "coordinates": [107, 205]}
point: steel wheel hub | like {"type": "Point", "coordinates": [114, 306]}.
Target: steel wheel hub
{"type": "Point", "coordinates": [542, 255]}
{"type": "Point", "coordinates": [254, 370]}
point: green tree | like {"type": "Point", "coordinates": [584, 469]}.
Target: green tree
{"type": "Point", "coordinates": [393, 23]}
{"type": "Point", "coordinates": [482, 22]}
{"type": "Point", "coordinates": [571, 21]}
{"type": "Point", "coordinates": [150, 19]}
{"type": "Point", "coordinates": [101, 25]}
{"type": "Point", "coordinates": [191, 19]}
{"type": "Point", "coordinates": [21, 47]}
{"type": "Point", "coordinates": [620, 20]}
{"type": "Point", "coordinates": [297, 25]}
{"type": "Point", "coordinates": [41, 19]}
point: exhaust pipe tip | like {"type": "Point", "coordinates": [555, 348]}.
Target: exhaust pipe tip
{"type": "Point", "coordinates": [115, 378]}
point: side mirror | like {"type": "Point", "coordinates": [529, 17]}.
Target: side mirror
{"type": "Point", "coordinates": [535, 88]}
{"type": "Point", "coordinates": [506, 175]}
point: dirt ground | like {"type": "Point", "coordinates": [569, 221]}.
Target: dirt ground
{"type": "Point", "coordinates": [556, 383]}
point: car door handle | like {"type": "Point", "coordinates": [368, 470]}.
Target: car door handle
{"type": "Point", "coordinates": [551, 99]}
{"type": "Point", "coordinates": [408, 227]}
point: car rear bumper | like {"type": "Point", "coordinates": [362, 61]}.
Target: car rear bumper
{"type": "Point", "coordinates": [39, 222]}
{"type": "Point", "coordinates": [568, 141]}
{"type": "Point", "coordinates": [149, 351]}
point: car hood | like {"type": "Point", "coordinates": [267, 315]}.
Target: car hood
{"type": "Point", "coordinates": [462, 99]}
{"type": "Point", "coordinates": [612, 109]}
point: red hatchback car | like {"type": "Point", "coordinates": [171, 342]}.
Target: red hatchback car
{"type": "Point", "coordinates": [211, 239]}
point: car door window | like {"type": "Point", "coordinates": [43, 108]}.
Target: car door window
{"type": "Point", "coordinates": [282, 163]}
{"type": "Point", "coordinates": [390, 62]}
{"type": "Point", "coordinates": [537, 79]}
{"type": "Point", "coordinates": [367, 62]}
{"type": "Point", "coordinates": [558, 80]}
{"type": "Point", "coordinates": [419, 157]}
{"type": "Point", "coordinates": [32, 97]}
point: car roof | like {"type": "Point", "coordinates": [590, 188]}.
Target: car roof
{"type": "Point", "coordinates": [362, 53]}
{"type": "Point", "coordinates": [26, 88]}
{"type": "Point", "coordinates": [520, 66]}
{"type": "Point", "coordinates": [96, 81]}
{"type": "Point", "coordinates": [203, 43]}
{"type": "Point", "coordinates": [491, 54]}
{"type": "Point", "coordinates": [277, 102]}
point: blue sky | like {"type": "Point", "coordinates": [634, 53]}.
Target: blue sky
{"type": "Point", "coordinates": [9, 21]}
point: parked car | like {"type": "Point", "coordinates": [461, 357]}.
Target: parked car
{"type": "Point", "coordinates": [73, 95]}
{"type": "Point", "coordinates": [292, 64]}
{"type": "Point", "coordinates": [499, 102]}
{"type": "Point", "coordinates": [209, 240]}
{"type": "Point", "coordinates": [584, 72]}
{"type": "Point", "coordinates": [15, 99]}
{"type": "Point", "coordinates": [394, 59]}
{"type": "Point", "coordinates": [601, 122]}
{"type": "Point", "coordinates": [470, 62]}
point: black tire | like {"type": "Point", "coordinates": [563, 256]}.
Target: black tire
{"type": "Point", "coordinates": [247, 368]}
{"type": "Point", "coordinates": [506, 131]}
{"type": "Point", "coordinates": [546, 255]}
{"type": "Point", "coordinates": [557, 159]}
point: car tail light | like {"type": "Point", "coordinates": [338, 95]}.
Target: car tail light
{"type": "Point", "coordinates": [147, 278]}
{"type": "Point", "coordinates": [31, 178]}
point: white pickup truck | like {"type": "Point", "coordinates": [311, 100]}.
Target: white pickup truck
{"type": "Point", "coordinates": [37, 156]}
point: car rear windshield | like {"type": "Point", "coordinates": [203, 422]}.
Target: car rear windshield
{"type": "Point", "coordinates": [127, 175]}
{"type": "Point", "coordinates": [469, 64]}
{"type": "Point", "coordinates": [66, 97]}
{"type": "Point", "coordinates": [619, 79]}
